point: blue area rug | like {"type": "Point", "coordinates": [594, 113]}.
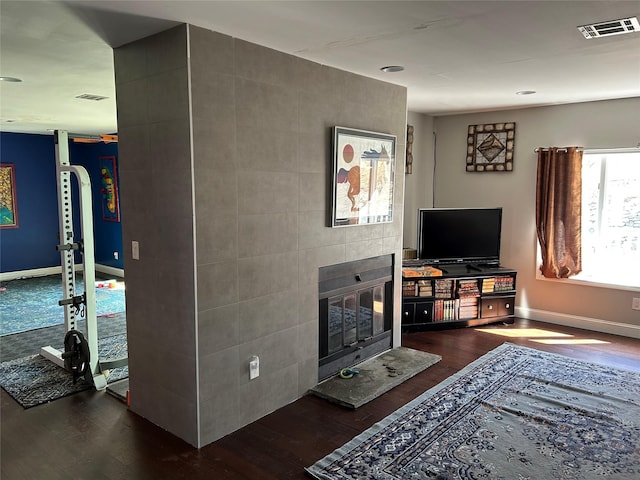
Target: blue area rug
{"type": "Point", "coordinates": [515, 413]}
{"type": "Point", "coordinates": [26, 304]}
{"type": "Point", "coordinates": [34, 380]}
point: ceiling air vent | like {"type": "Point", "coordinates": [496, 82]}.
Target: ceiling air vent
{"type": "Point", "coordinates": [610, 27]}
{"type": "Point", "coordinates": [88, 96]}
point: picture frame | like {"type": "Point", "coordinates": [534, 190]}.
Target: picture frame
{"type": "Point", "coordinates": [109, 189]}
{"type": "Point", "coordinates": [362, 177]}
{"type": "Point", "coordinates": [409, 156]}
{"type": "Point", "coordinates": [490, 147]}
{"type": "Point", "coordinates": [8, 196]}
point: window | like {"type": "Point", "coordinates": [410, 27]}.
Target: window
{"type": "Point", "coordinates": [611, 217]}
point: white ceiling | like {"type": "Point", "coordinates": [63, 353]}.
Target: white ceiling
{"type": "Point", "coordinates": [459, 56]}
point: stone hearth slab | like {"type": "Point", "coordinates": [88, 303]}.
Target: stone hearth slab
{"type": "Point", "coordinates": [377, 376]}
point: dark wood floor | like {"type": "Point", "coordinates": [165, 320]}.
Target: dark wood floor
{"type": "Point", "coordinates": [93, 436]}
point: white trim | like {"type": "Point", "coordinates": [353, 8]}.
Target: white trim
{"type": "Point", "coordinates": [111, 271]}
{"type": "Point", "coordinates": [36, 272]}
{"type": "Point", "coordinates": [43, 272]}
{"type": "Point", "coordinates": [593, 151]}
{"type": "Point", "coordinates": [586, 282]}
{"type": "Point", "coordinates": [199, 406]}
{"type": "Point", "coordinates": [576, 321]}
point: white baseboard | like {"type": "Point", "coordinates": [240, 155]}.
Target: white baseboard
{"type": "Point", "coordinates": [41, 272]}
{"type": "Point", "coordinates": [587, 323]}
{"type": "Point", "coordinates": [116, 272]}
{"type": "Point", "coordinates": [35, 272]}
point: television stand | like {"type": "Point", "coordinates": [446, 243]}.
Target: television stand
{"type": "Point", "coordinates": [465, 295]}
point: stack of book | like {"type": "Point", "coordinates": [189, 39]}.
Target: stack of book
{"type": "Point", "coordinates": [503, 284]}
{"type": "Point", "coordinates": [468, 288]}
{"type": "Point", "coordinates": [409, 288]}
{"type": "Point", "coordinates": [468, 308]}
{"type": "Point", "coordinates": [443, 288]}
{"type": "Point", "coordinates": [488, 285]}
{"type": "Point", "coordinates": [424, 288]}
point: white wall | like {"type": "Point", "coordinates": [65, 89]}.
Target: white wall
{"type": "Point", "coordinates": [604, 124]}
{"type": "Point", "coordinates": [419, 184]}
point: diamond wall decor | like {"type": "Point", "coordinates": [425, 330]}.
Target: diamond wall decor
{"type": "Point", "coordinates": [490, 147]}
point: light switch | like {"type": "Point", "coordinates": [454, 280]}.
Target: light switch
{"type": "Point", "coordinates": [254, 367]}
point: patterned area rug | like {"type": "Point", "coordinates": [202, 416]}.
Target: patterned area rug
{"type": "Point", "coordinates": [515, 413]}
{"type": "Point", "coordinates": [34, 380]}
{"type": "Point", "coordinates": [30, 303]}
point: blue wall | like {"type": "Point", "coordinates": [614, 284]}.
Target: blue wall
{"type": "Point", "coordinates": [107, 235]}
{"type": "Point", "coordinates": [32, 244]}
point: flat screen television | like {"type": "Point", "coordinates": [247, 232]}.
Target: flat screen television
{"type": "Point", "coordinates": [460, 235]}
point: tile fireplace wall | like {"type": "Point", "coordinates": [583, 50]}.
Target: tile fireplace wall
{"type": "Point", "coordinates": [225, 160]}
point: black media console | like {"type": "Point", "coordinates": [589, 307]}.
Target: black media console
{"type": "Point", "coordinates": [459, 296]}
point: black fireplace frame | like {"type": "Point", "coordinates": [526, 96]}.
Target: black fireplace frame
{"type": "Point", "coordinates": [347, 279]}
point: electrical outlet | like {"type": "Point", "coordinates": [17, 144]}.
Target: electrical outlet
{"type": "Point", "coordinates": [635, 303]}
{"type": "Point", "coordinates": [115, 255]}
{"type": "Point", "coordinates": [254, 367]}
{"type": "Point", "coordinates": [135, 250]}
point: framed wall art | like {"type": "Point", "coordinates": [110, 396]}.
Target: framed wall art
{"type": "Point", "coordinates": [362, 177]}
{"type": "Point", "coordinates": [409, 158]}
{"type": "Point", "coordinates": [8, 201]}
{"type": "Point", "coordinates": [490, 147]}
{"type": "Point", "coordinates": [109, 189]}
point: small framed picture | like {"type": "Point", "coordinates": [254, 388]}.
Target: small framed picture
{"type": "Point", "coordinates": [8, 201]}
{"type": "Point", "coordinates": [109, 189]}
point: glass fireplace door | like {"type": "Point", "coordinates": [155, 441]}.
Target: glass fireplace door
{"type": "Point", "coordinates": [355, 317]}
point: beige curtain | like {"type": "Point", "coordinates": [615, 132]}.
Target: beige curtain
{"type": "Point", "coordinates": [559, 210]}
